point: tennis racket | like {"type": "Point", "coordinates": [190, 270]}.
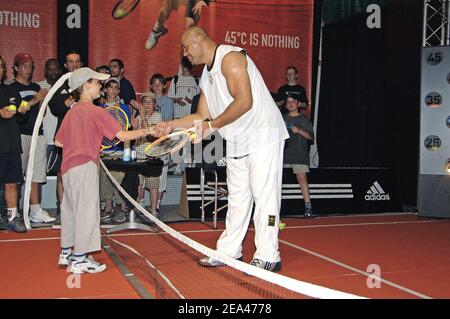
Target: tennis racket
{"type": "Point", "coordinates": [169, 144]}
{"type": "Point", "coordinates": [122, 118]}
{"type": "Point", "coordinates": [123, 8]}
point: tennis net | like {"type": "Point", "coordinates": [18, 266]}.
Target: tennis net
{"type": "Point", "coordinates": [166, 262]}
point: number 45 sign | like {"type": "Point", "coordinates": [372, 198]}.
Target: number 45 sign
{"type": "Point", "coordinates": [434, 57]}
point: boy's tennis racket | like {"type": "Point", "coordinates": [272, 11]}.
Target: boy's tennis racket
{"type": "Point", "coordinates": [123, 8]}
{"type": "Point", "coordinates": [169, 144]}
{"type": "Point", "coordinates": [122, 118]}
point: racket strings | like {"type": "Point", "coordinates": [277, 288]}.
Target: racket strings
{"type": "Point", "coordinates": [121, 117]}
{"type": "Point", "coordinates": [167, 145]}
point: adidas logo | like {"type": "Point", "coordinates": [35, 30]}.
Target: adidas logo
{"type": "Point", "coordinates": [222, 162]}
{"type": "Point", "coordinates": [376, 193]}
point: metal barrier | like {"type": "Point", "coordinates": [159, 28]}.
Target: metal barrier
{"type": "Point", "coordinates": [219, 192]}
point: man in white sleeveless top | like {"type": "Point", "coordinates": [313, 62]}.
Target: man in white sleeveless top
{"type": "Point", "coordinates": [235, 100]}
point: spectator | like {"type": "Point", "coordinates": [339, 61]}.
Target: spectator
{"type": "Point", "coordinates": [296, 151]}
{"type": "Point", "coordinates": [52, 72]}
{"type": "Point", "coordinates": [107, 189]}
{"type": "Point", "coordinates": [291, 86]}
{"type": "Point", "coordinates": [183, 88]}
{"type": "Point", "coordinates": [146, 118]}
{"type": "Point", "coordinates": [10, 149]}
{"type": "Point", "coordinates": [127, 94]}
{"type": "Point", "coordinates": [102, 99]}
{"type": "Point", "coordinates": [32, 93]}
{"type": "Point", "coordinates": [165, 106]}
{"type": "Point", "coordinates": [59, 106]}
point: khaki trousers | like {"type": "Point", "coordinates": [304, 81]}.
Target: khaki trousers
{"type": "Point", "coordinates": [80, 209]}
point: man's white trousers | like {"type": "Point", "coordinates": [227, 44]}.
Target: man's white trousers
{"type": "Point", "coordinates": [255, 178]}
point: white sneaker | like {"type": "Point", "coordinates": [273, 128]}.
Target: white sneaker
{"type": "Point", "coordinates": [41, 217]}
{"type": "Point", "coordinates": [65, 259]}
{"type": "Point", "coordinates": [87, 265]}
{"type": "Point", "coordinates": [155, 213]}
{"type": "Point", "coordinates": [209, 262]}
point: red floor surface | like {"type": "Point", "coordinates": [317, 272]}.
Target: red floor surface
{"type": "Point", "coordinates": [411, 254]}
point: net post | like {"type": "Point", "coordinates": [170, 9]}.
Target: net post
{"type": "Point", "coordinates": [216, 185]}
{"type": "Point", "coordinates": [202, 192]}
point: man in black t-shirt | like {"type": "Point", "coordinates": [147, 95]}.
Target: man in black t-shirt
{"type": "Point", "coordinates": [127, 93]}
{"type": "Point", "coordinates": [59, 105]}
{"type": "Point", "coordinates": [33, 94]}
{"type": "Point", "coordinates": [291, 86]}
{"type": "Point", "coordinates": [10, 149]}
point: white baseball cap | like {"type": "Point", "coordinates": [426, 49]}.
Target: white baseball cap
{"type": "Point", "coordinates": [82, 75]}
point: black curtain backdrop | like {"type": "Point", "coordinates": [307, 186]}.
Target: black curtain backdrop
{"type": "Point", "coordinates": [370, 92]}
{"type": "Point", "coordinates": [73, 39]}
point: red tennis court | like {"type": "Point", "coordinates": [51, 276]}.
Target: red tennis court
{"type": "Point", "coordinates": [408, 253]}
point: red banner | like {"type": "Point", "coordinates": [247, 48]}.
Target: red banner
{"type": "Point", "coordinates": [28, 26]}
{"type": "Point", "coordinates": [275, 33]}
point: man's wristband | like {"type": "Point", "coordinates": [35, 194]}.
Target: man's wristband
{"type": "Point", "coordinates": [210, 126]}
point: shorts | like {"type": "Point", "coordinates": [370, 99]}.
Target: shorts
{"type": "Point", "coordinates": [109, 191]}
{"type": "Point", "coordinates": [54, 159]}
{"type": "Point", "coordinates": [298, 168]}
{"type": "Point", "coordinates": [151, 183]}
{"type": "Point", "coordinates": [40, 158]}
{"type": "Point", "coordinates": [10, 169]}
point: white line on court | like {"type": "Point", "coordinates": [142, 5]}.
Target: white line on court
{"type": "Point", "coordinates": [338, 263]}
{"type": "Point", "coordinates": [221, 229]}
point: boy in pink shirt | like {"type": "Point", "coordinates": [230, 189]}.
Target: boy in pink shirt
{"type": "Point", "coordinates": [81, 135]}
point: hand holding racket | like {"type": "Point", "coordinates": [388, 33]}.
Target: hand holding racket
{"type": "Point", "coordinates": [163, 128]}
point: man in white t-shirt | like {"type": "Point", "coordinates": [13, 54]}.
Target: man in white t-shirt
{"type": "Point", "coordinates": [183, 88]}
{"type": "Point", "coordinates": [237, 102]}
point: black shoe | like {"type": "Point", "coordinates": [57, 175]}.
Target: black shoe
{"type": "Point", "coordinates": [105, 215]}
{"type": "Point", "coordinates": [17, 226]}
{"type": "Point", "coordinates": [3, 223]}
{"type": "Point", "coordinates": [274, 267]}
{"type": "Point", "coordinates": [119, 217]}
{"type": "Point", "coordinates": [144, 219]}
{"type": "Point", "coordinates": [309, 213]}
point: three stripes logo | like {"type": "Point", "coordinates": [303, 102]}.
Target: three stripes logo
{"type": "Point", "coordinates": [376, 193]}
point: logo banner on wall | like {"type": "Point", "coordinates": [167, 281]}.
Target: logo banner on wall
{"type": "Point", "coordinates": [146, 35]}
{"type": "Point", "coordinates": [27, 26]}
{"type": "Point", "coordinates": [73, 29]}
